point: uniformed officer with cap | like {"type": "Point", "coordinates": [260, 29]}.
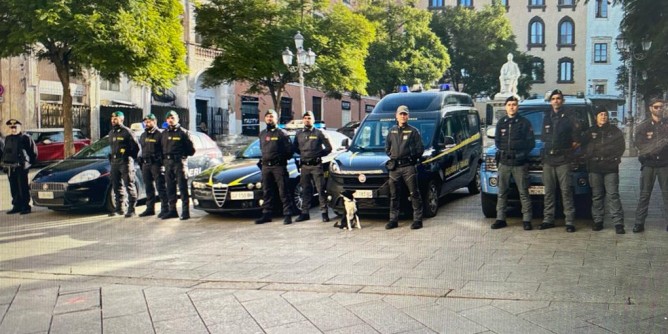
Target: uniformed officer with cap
{"type": "Point", "coordinates": [604, 146]}
{"type": "Point", "coordinates": [276, 150]}
{"type": "Point", "coordinates": [124, 151]}
{"type": "Point", "coordinates": [152, 169]}
{"type": "Point", "coordinates": [514, 140]}
{"type": "Point", "coordinates": [404, 147]}
{"type": "Point", "coordinates": [651, 139]}
{"type": "Point", "coordinates": [177, 146]}
{"type": "Point", "coordinates": [561, 137]}
{"type": "Point", "coordinates": [312, 145]}
{"type": "Point", "coordinates": [19, 154]}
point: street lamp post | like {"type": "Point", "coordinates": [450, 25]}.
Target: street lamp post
{"type": "Point", "coordinates": [628, 50]}
{"type": "Point", "coordinates": [305, 63]}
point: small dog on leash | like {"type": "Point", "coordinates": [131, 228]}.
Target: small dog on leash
{"type": "Point", "coordinates": [350, 204]}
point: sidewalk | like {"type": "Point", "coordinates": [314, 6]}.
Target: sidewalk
{"type": "Point", "coordinates": [76, 273]}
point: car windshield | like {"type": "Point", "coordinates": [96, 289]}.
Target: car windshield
{"type": "Point", "coordinates": [97, 150]}
{"type": "Point", "coordinates": [535, 116]}
{"type": "Point", "coordinates": [372, 133]}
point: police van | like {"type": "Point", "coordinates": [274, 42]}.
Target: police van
{"type": "Point", "coordinates": [450, 129]}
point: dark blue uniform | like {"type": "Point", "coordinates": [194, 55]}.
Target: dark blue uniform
{"type": "Point", "coordinates": [153, 171]}
{"type": "Point", "coordinates": [124, 151]}
{"type": "Point", "coordinates": [19, 154]}
{"type": "Point", "coordinates": [176, 148]}
{"type": "Point", "coordinates": [312, 145]}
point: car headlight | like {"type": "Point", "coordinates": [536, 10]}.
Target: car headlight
{"type": "Point", "coordinates": [250, 186]}
{"type": "Point", "coordinates": [334, 167]}
{"type": "Point", "coordinates": [199, 185]}
{"type": "Point", "coordinates": [258, 185]}
{"type": "Point", "coordinates": [85, 176]}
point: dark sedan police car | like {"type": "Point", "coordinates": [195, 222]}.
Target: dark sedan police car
{"type": "Point", "coordinates": [236, 186]}
{"type": "Point", "coordinates": [82, 181]}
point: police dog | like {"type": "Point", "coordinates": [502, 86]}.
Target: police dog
{"type": "Point", "coordinates": [350, 204]}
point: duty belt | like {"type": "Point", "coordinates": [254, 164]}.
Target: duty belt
{"type": "Point", "coordinates": [117, 156]}
{"type": "Point", "coordinates": [404, 162]}
{"type": "Point", "coordinates": [172, 156]}
{"type": "Point", "coordinates": [557, 151]}
{"type": "Point", "coordinates": [604, 159]}
{"type": "Point", "coordinates": [275, 162]}
{"type": "Point", "coordinates": [151, 160]}
{"type": "Point", "coordinates": [312, 162]}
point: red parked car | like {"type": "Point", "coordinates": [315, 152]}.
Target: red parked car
{"type": "Point", "coordinates": [51, 141]}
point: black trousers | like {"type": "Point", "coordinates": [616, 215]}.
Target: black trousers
{"type": "Point", "coordinates": [311, 175]}
{"type": "Point", "coordinates": [275, 179]}
{"type": "Point", "coordinates": [154, 178]}
{"type": "Point", "coordinates": [18, 185]}
{"type": "Point", "coordinates": [409, 175]}
{"type": "Point", "coordinates": [176, 174]}
{"type": "Point", "coordinates": [123, 181]}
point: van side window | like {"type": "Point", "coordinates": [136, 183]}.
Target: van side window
{"type": "Point", "coordinates": [474, 124]}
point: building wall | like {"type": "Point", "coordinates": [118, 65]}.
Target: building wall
{"type": "Point", "coordinates": [520, 14]}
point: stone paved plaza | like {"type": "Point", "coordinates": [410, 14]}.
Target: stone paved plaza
{"type": "Point", "coordinates": [88, 273]}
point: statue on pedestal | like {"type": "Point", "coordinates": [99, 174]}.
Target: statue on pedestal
{"type": "Point", "coordinates": [510, 73]}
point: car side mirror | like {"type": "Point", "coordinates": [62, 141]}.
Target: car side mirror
{"type": "Point", "coordinates": [345, 143]}
{"type": "Point", "coordinates": [46, 141]}
{"type": "Point", "coordinates": [491, 132]}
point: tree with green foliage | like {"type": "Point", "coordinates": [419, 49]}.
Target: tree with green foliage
{"type": "Point", "coordinates": [405, 51]}
{"type": "Point", "coordinates": [141, 39]}
{"type": "Point", "coordinates": [479, 42]}
{"type": "Point", "coordinates": [252, 34]}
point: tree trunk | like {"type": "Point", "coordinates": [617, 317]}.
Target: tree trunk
{"type": "Point", "coordinates": [64, 75]}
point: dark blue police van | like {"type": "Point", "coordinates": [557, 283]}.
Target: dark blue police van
{"type": "Point", "coordinates": [450, 129]}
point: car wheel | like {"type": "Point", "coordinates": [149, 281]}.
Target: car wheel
{"type": "Point", "coordinates": [109, 204]}
{"type": "Point", "coordinates": [475, 185]}
{"type": "Point", "coordinates": [431, 200]}
{"type": "Point", "coordinates": [488, 205]}
{"type": "Point", "coordinates": [297, 199]}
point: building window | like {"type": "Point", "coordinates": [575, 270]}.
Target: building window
{"type": "Point", "coordinates": [536, 4]}
{"type": "Point", "coordinates": [317, 108]}
{"type": "Point", "coordinates": [601, 53]}
{"type": "Point", "coordinates": [538, 70]}
{"type": "Point", "coordinates": [436, 3]}
{"type": "Point", "coordinates": [599, 89]}
{"type": "Point", "coordinates": [114, 85]}
{"type": "Point", "coordinates": [536, 33]}
{"type": "Point", "coordinates": [565, 70]}
{"type": "Point", "coordinates": [465, 3]}
{"type": "Point", "coordinates": [566, 4]}
{"type": "Point", "coordinates": [601, 8]}
{"type": "Point", "coordinates": [566, 33]}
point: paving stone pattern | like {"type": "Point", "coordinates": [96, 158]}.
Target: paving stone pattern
{"type": "Point", "coordinates": [88, 273]}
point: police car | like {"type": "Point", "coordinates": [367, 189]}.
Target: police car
{"type": "Point", "coordinates": [533, 110]}
{"type": "Point", "coordinates": [236, 186]}
{"type": "Point", "coordinates": [450, 129]}
{"type": "Point", "coordinates": [82, 180]}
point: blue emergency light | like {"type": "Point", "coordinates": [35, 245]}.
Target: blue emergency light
{"type": "Point", "coordinates": [444, 87]}
{"type": "Point", "coordinates": [403, 89]}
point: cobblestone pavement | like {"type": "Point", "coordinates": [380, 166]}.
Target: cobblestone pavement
{"type": "Point", "coordinates": [88, 273]}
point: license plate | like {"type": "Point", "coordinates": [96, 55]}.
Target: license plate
{"type": "Point", "coordinates": [537, 190]}
{"type": "Point", "coordinates": [45, 195]}
{"type": "Point", "coordinates": [363, 194]}
{"type": "Point", "coordinates": [241, 195]}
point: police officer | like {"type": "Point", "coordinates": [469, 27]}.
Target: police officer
{"type": "Point", "coordinates": [152, 169]}
{"type": "Point", "coordinates": [177, 146]}
{"type": "Point", "coordinates": [561, 136]}
{"type": "Point", "coordinates": [651, 139]}
{"type": "Point", "coordinates": [276, 150]}
{"type": "Point", "coordinates": [19, 154]}
{"type": "Point", "coordinates": [404, 147]}
{"type": "Point", "coordinates": [312, 145]}
{"type": "Point", "coordinates": [124, 151]}
{"type": "Point", "coordinates": [514, 140]}
{"type": "Point", "coordinates": [604, 147]}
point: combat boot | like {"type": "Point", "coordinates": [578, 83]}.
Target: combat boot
{"type": "Point", "coordinates": [302, 217]}
{"type": "Point", "coordinates": [147, 213]}
{"type": "Point", "coordinates": [266, 218]}
{"type": "Point", "coordinates": [185, 215]}
{"type": "Point", "coordinates": [13, 211]}
{"type": "Point", "coordinates": [325, 217]}
{"type": "Point", "coordinates": [287, 220]}
{"type": "Point", "coordinates": [170, 214]}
